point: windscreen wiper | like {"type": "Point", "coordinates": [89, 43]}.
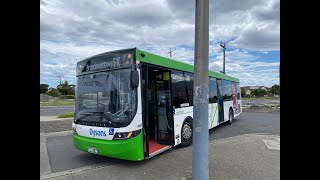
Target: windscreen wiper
{"type": "Point", "coordinates": [83, 116]}
{"type": "Point", "coordinates": [108, 119]}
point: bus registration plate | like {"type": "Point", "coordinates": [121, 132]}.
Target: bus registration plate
{"type": "Point", "coordinates": [93, 150]}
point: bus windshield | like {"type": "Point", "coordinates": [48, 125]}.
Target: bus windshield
{"type": "Point", "coordinates": [105, 97]}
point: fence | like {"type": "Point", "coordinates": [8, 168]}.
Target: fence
{"type": "Point", "coordinates": [44, 97]}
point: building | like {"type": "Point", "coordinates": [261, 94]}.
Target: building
{"type": "Point", "coordinates": [248, 89]}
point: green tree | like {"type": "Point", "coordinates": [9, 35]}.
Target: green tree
{"type": "Point", "coordinates": [275, 89]}
{"type": "Point", "coordinates": [242, 92]}
{"type": "Point", "coordinates": [53, 92]}
{"type": "Point", "coordinates": [43, 88]}
{"type": "Point", "coordinates": [66, 88]}
{"type": "Point", "coordinates": [259, 92]}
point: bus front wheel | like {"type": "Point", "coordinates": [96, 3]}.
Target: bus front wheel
{"type": "Point", "coordinates": [186, 133]}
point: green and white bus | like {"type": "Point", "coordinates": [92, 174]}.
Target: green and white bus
{"type": "Point", "coordinates": [133, 105]}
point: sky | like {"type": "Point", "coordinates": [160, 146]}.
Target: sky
{"type": "Point", "coordinates": [76, 29]}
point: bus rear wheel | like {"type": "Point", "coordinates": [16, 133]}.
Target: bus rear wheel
{"type": "Point", "coordinates": [186, 133]}
{"type": "Point", "coordinates": [231, 117]}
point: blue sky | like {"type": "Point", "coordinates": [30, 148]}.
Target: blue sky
{"type": "Point", "coordinates": [73, 30]}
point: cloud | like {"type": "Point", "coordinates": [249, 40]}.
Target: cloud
{"type": "Point", "coordinates": [73, 30]}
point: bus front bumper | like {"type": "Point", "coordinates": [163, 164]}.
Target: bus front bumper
{"type": "Point", "coordinates": [130, 149]}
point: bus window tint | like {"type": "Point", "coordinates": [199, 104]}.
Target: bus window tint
{"type": "Point", "coordinates": [226, 89]}
{"type": "Point", "coordinates": [212, 90]}
{"type": "Point", "coordinates": [179, 93]}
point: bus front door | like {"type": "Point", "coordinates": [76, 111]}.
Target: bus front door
{"type": "Point", "coordinates": [157, 110]}
{"type": "Point", "coordinates": [162, 107]}
{"type": "Point", "coordinates": [220, 100]}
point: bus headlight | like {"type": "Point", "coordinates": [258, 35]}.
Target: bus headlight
{"type": "Point", "coordinates": [127, 135]}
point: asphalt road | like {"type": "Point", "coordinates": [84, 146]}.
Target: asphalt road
{"type": "Point", "coordinates": [55, 110]}
{"type": "Point", "coordinates": [63, 156]}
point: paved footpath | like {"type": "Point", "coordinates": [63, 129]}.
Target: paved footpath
{"type": "Point", "coordinates": [241, 157]}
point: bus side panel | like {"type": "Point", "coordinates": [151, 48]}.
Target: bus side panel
{"type": "Point", "coordinates": [226, 107]}
{"type": "Point", "coordinates": [240, 107]}
{"type": "Point", "coordinates": [180, 115]}
{"type": "Point", "coordinates": [213, 115]}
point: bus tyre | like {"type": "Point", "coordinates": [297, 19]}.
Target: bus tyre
{"type": "Point", "coordinates": [186, 133]}
{"type": "Point", "coordinates": [231, 117]}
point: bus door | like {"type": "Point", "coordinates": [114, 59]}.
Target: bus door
{"type": "Point", "coordinates": [163, 114]}
{"type": "Point", "coordinates": [220, 100]}
{"type": "Point", "coordinates": [157, 110]}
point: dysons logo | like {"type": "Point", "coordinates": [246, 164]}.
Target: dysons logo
{"type": "Point", "coordinates": [97, 133]}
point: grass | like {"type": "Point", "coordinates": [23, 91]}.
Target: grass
{"type": "Point", "coordinates": [66, 115]}
{"type": "Point", "coordinates": [57, 103]}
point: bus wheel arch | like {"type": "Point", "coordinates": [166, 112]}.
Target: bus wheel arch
{"type": "Point", "coordinates": [231, 116]}
{"type": "Point", "coordinates": [186, 132]}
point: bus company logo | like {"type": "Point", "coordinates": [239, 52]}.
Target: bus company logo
{"type": "Point", "coordinates": [95, 133]}
{"type": "Point", "coordinates": [111, 131]}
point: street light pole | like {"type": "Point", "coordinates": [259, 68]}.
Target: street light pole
{"type": "Point", "coordinates": [224, 57]}
{"type": "Point", "coordinates": [200, 88]}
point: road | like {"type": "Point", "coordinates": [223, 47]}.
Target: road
{"type": "Point", "coordinates": [55, 110]}
{"type": "Point", "coordinates": [63, 156]}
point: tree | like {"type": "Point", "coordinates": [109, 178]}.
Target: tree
{"type": "Point", "coordinates": [275, 89]}
{"type": "Point", "coordinates": [43, 88]}
{"type": "Point", "coordinates": [243, 93]}
{"type": "Point", "coordinates": [53, 92]}
{"type": "Point", "coordinates": [259, 92]}
{"type": "Point", "coordinates": [66, 89]}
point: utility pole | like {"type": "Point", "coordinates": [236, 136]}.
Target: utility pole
{"type": "Point", "coordinates": [60, 76]}
{"type": "Point", "coordinates": [224, 57]}
{"type": "Point", "coordinates": [170, 52]}
{"type": "Point", "coordinates": [200, 93]}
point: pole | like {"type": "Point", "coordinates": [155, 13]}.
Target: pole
{"type": "Point", "coordinates": [60, 76]}
{"type": "Point", "coordinates": [170, 52]}
{"type": "Point", "coordinates": [224, 57]}
{"type": "Point", "coordinates": [200, 95]}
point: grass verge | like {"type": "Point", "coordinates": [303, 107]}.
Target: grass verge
{"type": "Point", "coordinates": [57, 103]}
{"type": "Point", "coordinates": [66, 115]}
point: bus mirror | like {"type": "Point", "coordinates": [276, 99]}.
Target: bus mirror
{"type": "Point", "coordinates": [134, 79]}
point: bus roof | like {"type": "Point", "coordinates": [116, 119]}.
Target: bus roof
{"type": "Point", "coordinates": [174, 64]}
{"type": "Point", "coordinates": [164, 62]}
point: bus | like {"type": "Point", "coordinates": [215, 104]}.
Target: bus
{"type": "Point", "coordinates": [131, 104]}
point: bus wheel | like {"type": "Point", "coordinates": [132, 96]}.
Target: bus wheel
{"type": "Point", "coordinates": [186, 133]}
{"type": "Point", "coordinates": [231, 117]}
